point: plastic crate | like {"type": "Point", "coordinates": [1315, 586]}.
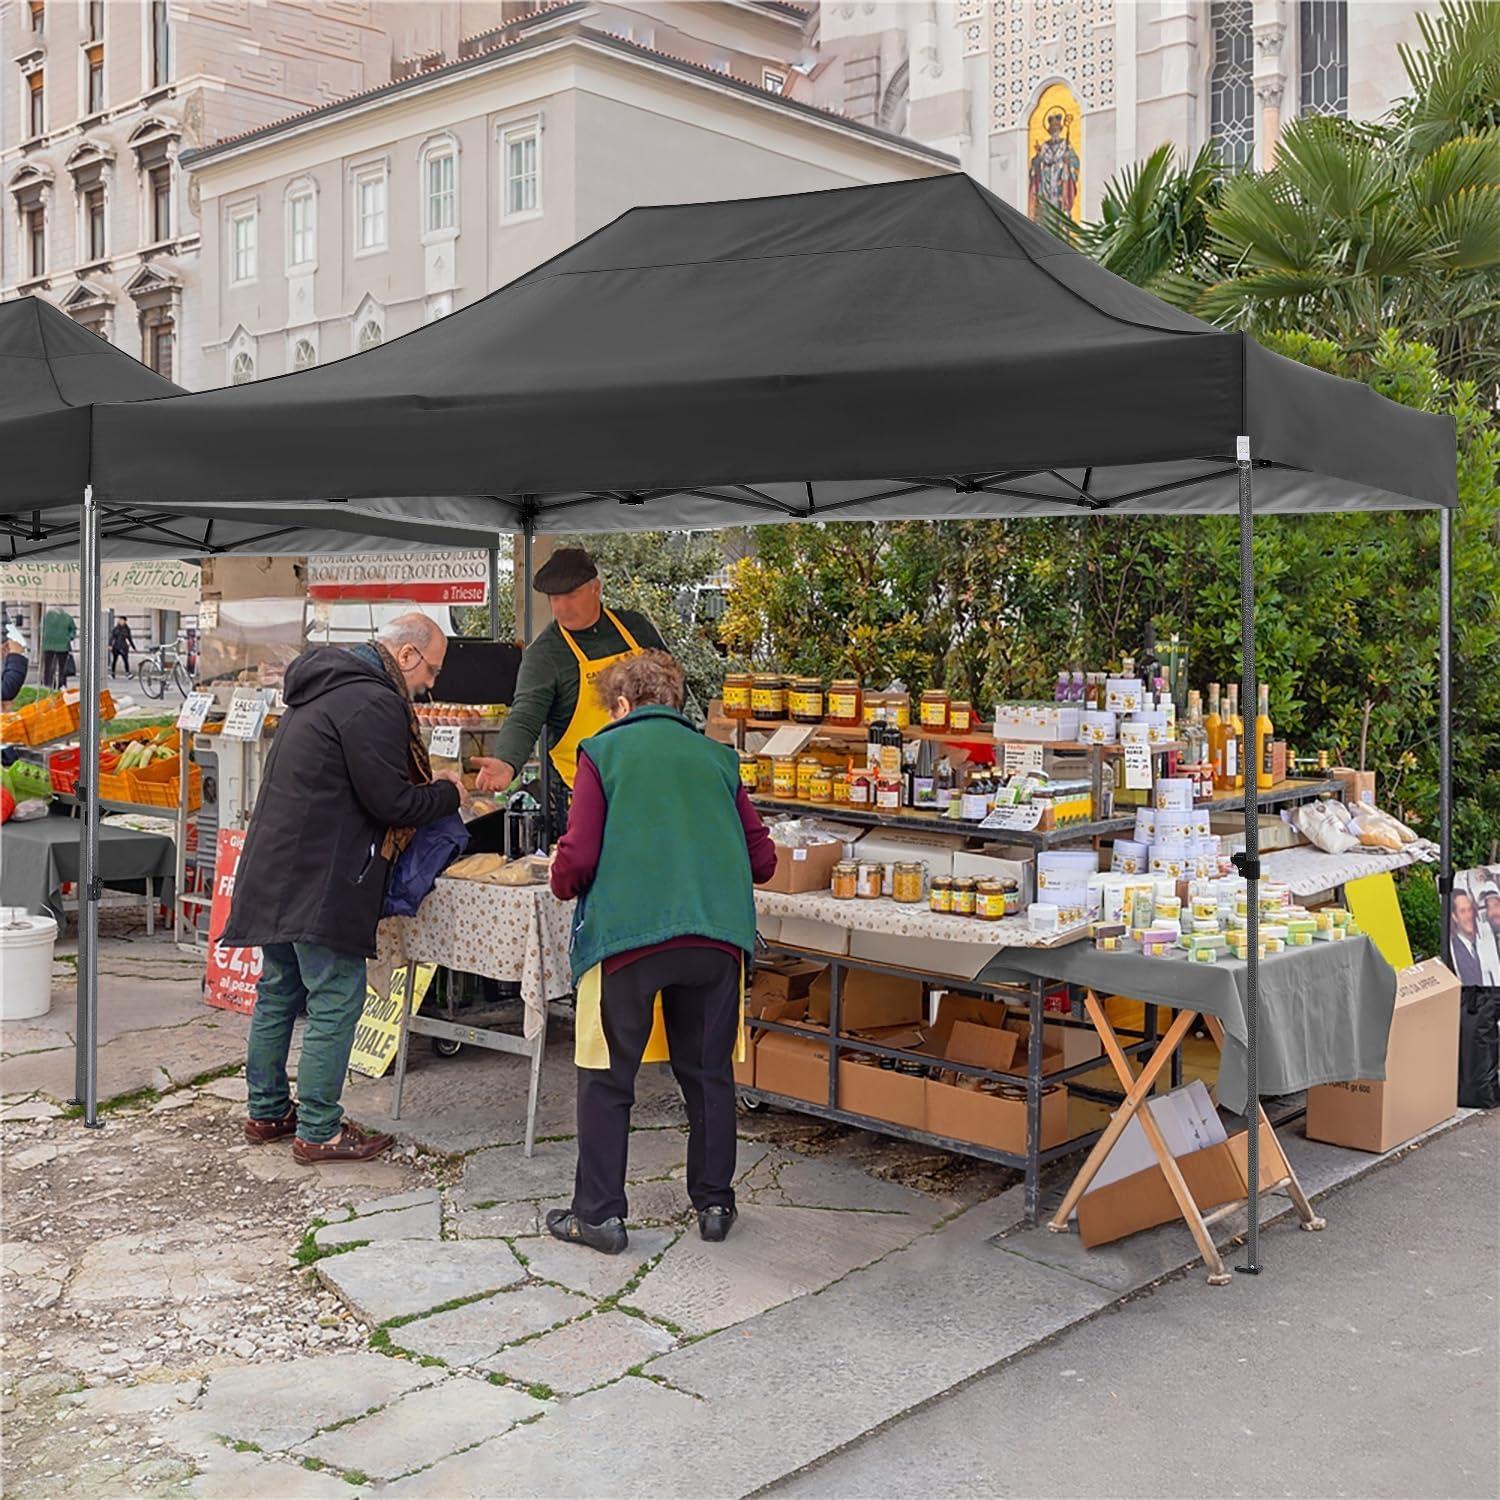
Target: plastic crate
{"type": "Point", "coordinates": [28, 781]}
{"type": "Point", "coordinates": [13, 730]}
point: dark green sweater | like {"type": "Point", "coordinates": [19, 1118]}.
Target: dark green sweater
{"type": "Point", "coordinates": [547, 688]}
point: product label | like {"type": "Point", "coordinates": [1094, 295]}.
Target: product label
{"type": "Point", "coordinates": [810, 704]}
{"type": "Point", "coordinates": [1021, 757]}
{"type": "Point", "coordinates": [888, 798]}
{"type": "Point", "coordinates": [841, 705]}
{"type": "Point", "coordinates": [1232, 756]}
{"type": "Point", "coordinates": [767, 700]}
{"type": "Point", "coordinates": [935, 715]}
{"type": "Point", "coordinates": [1024, 818]}
{"type": "Point", "coordinates": [737, 696]}
{"type": "Point", "coordinates": [1137, 757]}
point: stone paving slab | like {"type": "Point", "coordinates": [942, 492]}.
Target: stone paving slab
{"type": "Point", "coordinates": [231, 1090]}
{"type": "Point", "coordinates": [583, 1354]}
{"type": "Point", "coordinates": [504, 1220]}
{"type": "Point", "coordinates": [136, 1400]}
{"type": "Point", "coordinates": [467, 1334]}
{"type": "Point", "coordinates": [389, 1204]}
{"type": "Point", "coordinates": [656, 1153]}
{"type": "Point", "coordinates": [246, 1476]}
{"type": "Point", "coordinates": [17, 1037]}
{"type": "Point", "coordinates": [657, 1203]}
{"type": "Point", "coordinates": [587, 1271]}
{"type": "Point", "coordinates": [421, 1221]}
{"type": "Point", "coordinates": [280, 1405]}
{"type": "Point", "coordinates": [171, 1266]}
{"type": "Point", "coordinates": [823, 1182]}
{"type": "Point", "coordinates": [420, 1428]}
{"type": "Point", "coordinates": [381, 1282]}
{"type": "Point", "coordinates": [504, 1174]}
{"type": "Point", "coordinates": [772, 1255]}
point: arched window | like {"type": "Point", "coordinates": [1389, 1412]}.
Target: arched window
{"type": "Point", "coordinates": [1231, 84]}
{"type": "Point", "coordinates": [1323, 47]}
{"type": "Point", "coordinates": [242, 372]}
{"type": "Point", "coordinates": [439, 171]}
{"type": "Point", "coordinates": [304, 356]}
{"type": "Point", "coordinates": [370, 335]}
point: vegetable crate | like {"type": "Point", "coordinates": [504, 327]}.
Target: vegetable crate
{"type": "Point", "coordinates": [28, 781]}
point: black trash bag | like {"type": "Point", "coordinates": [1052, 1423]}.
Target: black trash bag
{"type": "Point", "coordinates": [1479, 1047]}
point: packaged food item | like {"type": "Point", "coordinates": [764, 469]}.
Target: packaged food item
{"type": "Point", "coordinates": [934, 709]}
{"type": "Point", "coordinates": [845, 880]}
{"type": "Point", "coordinates": [965, 894]}
{"type": "Point", "coordinates": [870, 881]}
{"type": "Point", "coordinates": [805, 700]}
{"type": "Point", "coordinates": [768, 697]}
{"type": "Point", "coordinates": [784, 777]}
{"type": "Point", "coordinates": [888, 793]}
{"type": "Point", "coordinates": [737, 690]}
{"type": "Point", "coordinates": [960, 716]}
{"type": "Point", "coordinates": [1042, 916]}
{"type": "Point", "coordinates": [807, 767]}
{"type": "Point", "coordinates": [940, 893]}
{"type": "Point", "coordinates": [906, 881]}
{"type": "Point", "coordinates": [820, 785]}
{"type": "Point", "coordinates": [845, 703]}
{"type": "Point", "coordinates": [749, 771]}
{"type": "Point", "coordinates": [989, 900]}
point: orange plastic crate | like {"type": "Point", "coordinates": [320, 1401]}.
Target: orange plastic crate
{"type": "Point", "coordinates": [114, 787]}
{"type": "Point", "coordinates": [13, 730]}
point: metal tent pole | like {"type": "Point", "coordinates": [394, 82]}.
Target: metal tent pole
{"type": "Point", "coordinates": [1445, 730]}
{"type": "Point", "coordinates": [91, 602]}
{"type": "Point", "coordinates": [494, 582]}
{"type": "Point", "coordinates": [1249, 862]}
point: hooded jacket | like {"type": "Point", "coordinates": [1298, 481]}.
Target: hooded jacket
{"type": "Point", "coordinates": [335, 780]}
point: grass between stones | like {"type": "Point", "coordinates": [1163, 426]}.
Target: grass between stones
{"type": "Point", "coordinates": [309, 1252]}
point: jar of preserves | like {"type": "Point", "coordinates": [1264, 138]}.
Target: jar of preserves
{"type": "Point", "coordinates": [1012, 888]}
{"type": "Point", "coordinates": [846, 703]}
{"type": "Point", "coordinates": [940, 893]}
{"type": "Point", "coordinates": [873, 708]}
{"type": "Point", "coordinates": [784, 778]}
{"type": "Point", "coordinates": [989, 900]}
{"type": "Point", "coordinates": [804, 700]}
{"type": "Point", "coordinates": [845, 880]}
{"type": "Point", "coordinates": [960, 716]}
{"type": "Point", "coordinates": [807, 767]}
{"type": "Point", "coordinates": [888, 793]}
{"type": "Point", "coordinates": [965, 892]}
{"type": "Point", "coordinates": [934, 710]}
{"type": "Point", "coordinates": [765, 775]}
{"type": "Point", "coordinates": [870, 885]}
{"type": "Point", "coordinates": [737, 690]}
{"type": "Point", "coordinates": [898, 709]}
{"type": "Point", "coordinates": [907, 880]}
{"type": "Point", "coordinates": [840, 786]}
{"type": "Point", "coordinates": [768, 697]}
{"type": "Point", "coordinates": [820, 786]}
{"type": "Point", "coordinates": [749, 771]}
{"type": "Point", "coordinates": [862, 787]}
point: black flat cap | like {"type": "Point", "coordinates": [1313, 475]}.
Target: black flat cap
{"type": "Point", "coordinates": [567, 569]}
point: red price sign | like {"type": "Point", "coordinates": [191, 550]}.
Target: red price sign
{"type": "Point", "coordinates": [232, 973]}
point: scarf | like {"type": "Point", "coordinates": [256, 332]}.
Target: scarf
{"type": "Point", "coordinates": [417, 763]}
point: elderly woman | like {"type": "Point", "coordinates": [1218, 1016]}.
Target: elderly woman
{"type": "Point", "coordinates": [661, 852]}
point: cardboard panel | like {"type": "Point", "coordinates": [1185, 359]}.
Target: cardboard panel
{"type": "Point", "coordinates": [880, 1094]}
{"type": "Point", "coordinates": [994, 1120]}
{"type": "Point", "coordinates": [804, 869]}
{"type": "Point", "coordinates": [792, 1065]}
{"type": "Point", "coordinates": [868, 1000]}
{"type": "Point", "coordinates": [935, 956]}
{"type": "Point", "coordinates": [820, 937]}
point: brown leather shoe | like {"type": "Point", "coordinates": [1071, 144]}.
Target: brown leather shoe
{"type": "Point", "coordinates": [350, 1144]}
{"type": "Point", "coordinates": [258, 1132]}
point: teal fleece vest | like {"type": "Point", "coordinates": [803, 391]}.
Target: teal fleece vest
{"type": "Point", "coordinates": [673, 862]}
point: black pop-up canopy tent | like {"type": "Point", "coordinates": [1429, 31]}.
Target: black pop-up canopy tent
{"type": "Point", "coordinates": [910, 350]}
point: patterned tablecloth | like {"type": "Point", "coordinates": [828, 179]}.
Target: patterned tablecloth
{"type": "Point", "coordinates": [1306, 871]}
{"type": "Point", "coordinates": [917, 920]}
{"type": "Point", "coordinates": [512, 932]}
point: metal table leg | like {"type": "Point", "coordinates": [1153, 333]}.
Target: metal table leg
{"type": "Point", "coordinates": [533, 1092]}
{"type": "Point", "coordinates": [1034, 1107]}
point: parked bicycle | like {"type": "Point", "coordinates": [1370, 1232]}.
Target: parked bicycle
{"type": "Point", "coordinates": [163, 664]}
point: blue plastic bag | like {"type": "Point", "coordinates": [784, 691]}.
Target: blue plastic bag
{"type": "Point", "coordinates": [433, 848]}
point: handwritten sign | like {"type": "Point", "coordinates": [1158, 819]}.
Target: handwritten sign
{"type": "Point", "coordinates": [245, 718]}
{"type": "Point", "coordinates": [208, 615]}
{"type": "Point", "coordinates": [379, 1029]}
{"type": "Point", "coordinates": [1136, 745]}
{"type": "Point", "coordinates": [1023, 819]}
{"type": "Point", "coordinates": [195, 709]}
{"type": "Point", "coordinates": [444, 742]}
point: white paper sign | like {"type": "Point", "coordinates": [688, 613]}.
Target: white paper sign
{"type": "Point", "coordinates": [245, 718]}
{"type": "Point", "coordinates": [1015, 819]}
{"type": "Point", "coordinates": [1021, 757]}
{"type": "Point", "coordinates": [195, 709]}
{"type": "Point", "coordinates": [444, 742]}
{"type": "Point", "coordinates": [208, 615]}
{"type": "Point", "coordinates": [1137, 750]}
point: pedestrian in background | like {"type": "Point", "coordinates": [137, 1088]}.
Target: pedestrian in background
{"type": "Point", "coordinates": [121, 644]}
{"type": "Point", "coordinates": [58, 633]}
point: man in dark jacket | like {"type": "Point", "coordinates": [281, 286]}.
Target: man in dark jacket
{"type": "Point", "coordinates": [121, 644]}
{"type": "Point", "coordinates": [346, 783]}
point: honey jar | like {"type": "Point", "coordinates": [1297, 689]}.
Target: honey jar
{"type": "Point", "coordinates": [846, 703]}
{"type": "Point", "coordinates": [737, 690]}
{"type": "Point", "coordinates": [873, 707]}
{"type": "Point", "coordinates": [820, 785]}
{"type": "Point", "coordinates": [934, 709]}
{"type": "Point", "coordinates": [940, 893]}
{"type": "Point", "coordinates": [965, 895]}
{"type": "Point", "coordinates": [807, 767]}
{"type": "Point", "coordinates": [845, 880]}
{"type": "Point", "coordinates": [784, 777]}
{"type": "Point", "coordinates": [989, 900]}
{"type": "Point", "coordinates": [768, 697]}
{"type": "Point", "coordinates": [870, 884]}
{"type": "Point", "coordinates": [906, 881]}
{"type": "Point", "coordinates": [897, 708]}
{"type": "Point", "coordinates": [765, 775]}
{"type": "Point", "coordinates": [840, 786]}
{"type": "Point", "coordinates": [960, 716]}
{"type": "Point", "coordinates": [749, 771]}
{"type": "Point", "coordinates": [804, 700]}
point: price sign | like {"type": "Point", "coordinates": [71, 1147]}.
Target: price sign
{"type": "Point", "coordinates": [444, 742]}
{"type": "Point", "coordinates": [1021, 757]}
{"type": "Point", "coordinates": [208, 614]}
{"type": "Point", "coordinates": [195, 709]}
{"type": "Point", "coordinates": [245, 718]}
{"type": "Point", "coordinates": [1023, 819]}
{"type": "Point", "coordinates": [232, 975]}
{"type": "Point", "coordinates": [1136, 747]}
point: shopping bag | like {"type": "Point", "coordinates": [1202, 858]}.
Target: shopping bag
{"type": "Point", "coordinates": [433, 848]}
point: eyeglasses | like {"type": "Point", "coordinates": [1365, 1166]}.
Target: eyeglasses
{"type": "Point", "coordinates": [435, 666]}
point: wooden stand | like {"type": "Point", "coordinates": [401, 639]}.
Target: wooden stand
{"type": "Point", "coordinates": [1137, 1091]}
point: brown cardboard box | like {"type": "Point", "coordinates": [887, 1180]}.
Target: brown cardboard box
{"type": "Point", "coordinates": [1354, 786]}
{"type": "Point", "coordinates": [981, 1046]}
{"type": "Point", "coordinates": [1054, 1057]}
{"type": "Point", "coordinates": [795, 1066]}
{"type": "Point", "coordinates": [1278, 762]}
{"type": "Point", "coordinates": [781, 979]}
{"type": "Point", "coordinates": [804, 869]}
{"type": "Point", "coordinates": [880, 1094]}
{"type": "Point", "coordinates": [1421, 1071]}
{"type": "Point", "coordinates": [993, 1120]}
{"type": "Point", "coordinates": [869, 999]}
{"type": "Point", "coordinates": [1215, 1175]}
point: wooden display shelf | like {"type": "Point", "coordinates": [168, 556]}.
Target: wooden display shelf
{"type": "Point", "coordinates": [969, 737]}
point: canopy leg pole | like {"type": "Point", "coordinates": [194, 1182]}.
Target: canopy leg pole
{"type": "Point", "coordinates": [1445, 730]}
{"type": "Point", "coordinates": [494, 586]}
{"type": "Point", "coordinates": [544, 761]}
{"type": "Point", "coordinates": [1249, 862]}
{"type": "Point", "coordinates": [90, 600]}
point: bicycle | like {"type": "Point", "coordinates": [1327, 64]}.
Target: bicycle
{"type": "Point", "coordinates": [163, 664]}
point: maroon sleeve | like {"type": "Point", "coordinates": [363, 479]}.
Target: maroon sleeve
{"type": "Point", "coordinates": [578, 849]}
{"type": "Point", "coordinates": [757, 839]}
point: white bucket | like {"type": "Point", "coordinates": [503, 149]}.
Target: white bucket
{"type": "Point", "coordinates": [26, 944]}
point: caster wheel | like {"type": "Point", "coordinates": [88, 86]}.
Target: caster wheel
{"type": "Point", "coordinates": [1313, 1225]}
{"type": "Point", "coordinates": [446, 1048]}
{"type": "Point", "coordinates": [751, 1106]}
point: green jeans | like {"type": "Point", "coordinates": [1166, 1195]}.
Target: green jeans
{"type": "Point", "coordinates": [330, 987]}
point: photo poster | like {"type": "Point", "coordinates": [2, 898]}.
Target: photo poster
{"type": "Point", "coordinates": [379, 1030]}
{"type": "Point", "coordinates": [1474, 927]}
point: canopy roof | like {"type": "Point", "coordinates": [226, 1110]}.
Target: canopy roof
{"type": "Point", "coordinates": [52, 371]}
{"type": "Point", "coordinates": [907, 350]}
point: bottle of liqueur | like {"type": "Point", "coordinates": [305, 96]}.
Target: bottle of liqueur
{"type": "Point", "coordinates": [1264, 731]}
{"type": "Point", "coordinates": [1234, 743]}
{"type": "Point", "coordinates": [1213, 728]}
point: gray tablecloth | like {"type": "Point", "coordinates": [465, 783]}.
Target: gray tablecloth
{"type": "Point", "coordinates": [1325, 1011]}
{"type": "Point", "coordinates": [38, 858]}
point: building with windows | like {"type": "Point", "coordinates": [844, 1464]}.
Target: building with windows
{"type": "Point", "coordinates": [1045, 100]}
{"type": "Point", "coordinates": [358, 219]}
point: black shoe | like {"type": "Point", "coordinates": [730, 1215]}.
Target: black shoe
{"type": "Point", "coordinates": [608, 1238]}
{"type": "Point", "coordinates": [715, 1223]}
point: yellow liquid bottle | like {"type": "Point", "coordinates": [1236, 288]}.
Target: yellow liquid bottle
{"type": "Point", "coordinates": [1264, 731]}
{"type": "Point", "coordinates": [1234, 743]}
{"type": "Point", "coordinates": [1213, 727]}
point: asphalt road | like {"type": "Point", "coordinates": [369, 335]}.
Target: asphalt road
{"type": "Point", "coordinates": [1364, 1362]}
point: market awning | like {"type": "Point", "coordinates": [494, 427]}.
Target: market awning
{"type": "Point", "coordinates": [906, 350]}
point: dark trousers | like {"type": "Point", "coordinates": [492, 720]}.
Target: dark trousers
{"type": "Point", "coordinates": [700, 996]}
{"type": "Point", "coordinates": [119, 654]}
{"type": "Point", "coordinates": [55, 669]}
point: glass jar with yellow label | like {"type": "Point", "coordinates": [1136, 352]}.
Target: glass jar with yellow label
{"type": "Point", "coordinates": [907, 880]}
{"type": "Point", "coordinates": [804, 700]}
{"type": "Point", "coordinates": [807, 767]}
{"type": "Point", "coordinates": [840, 786]}
{"type": "Point", "coordinates": [934, 710]}
{"type": "Point", "coordinates": [872, 708]}
{"type": "Point", "coordinates": [765, 775]}
{"type": "Point", "coordinates": [989, 900]}
{"type": "Point", "coordinates": [897, 709]}
{"type": "Point", "coordinates": [960, 716]}
{"type": "Point", "coordinates": [784, 777]}
{"type": "Point", "coordinates": [965, 892]}
{"type": "Point", "coordinates": [820, 785]}
{"type": "Point", "coordinates": [768, 697]}
{"type": "Point", "coordinates": [846, 703]}
{"type": "Point", "coordinates": [940, 893]}
{"type": "Point", "coordinates": [737, 689]}
{"type": "Point", "coordinates": [749, 771]}
{"type": "Point", "coordinates": [845, 880]}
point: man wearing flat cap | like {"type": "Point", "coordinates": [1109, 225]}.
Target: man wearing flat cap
{"type": "Point", "coordinates": [559, 669]}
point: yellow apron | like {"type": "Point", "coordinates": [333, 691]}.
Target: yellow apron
{"type": "Point", "coordinates": [591, 715]}
{"type": "Point", "coordinates": [590, 1045]}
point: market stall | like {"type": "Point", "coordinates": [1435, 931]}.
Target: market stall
{"type": "Point", "coordinates": [732, 322]}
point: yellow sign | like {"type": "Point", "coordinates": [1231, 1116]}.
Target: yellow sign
{"type": "Point", "coordinates": [1373, 904]}
{"type": "Point", "coordinates": [379, 1027]}
{"type": "Point", "coordinates": [1054, 154]}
